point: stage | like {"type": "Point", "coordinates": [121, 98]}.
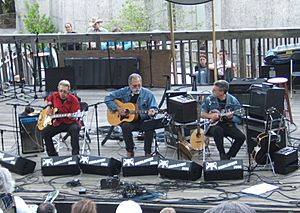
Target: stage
{"type": "Point", "coordinates": [157, 192]}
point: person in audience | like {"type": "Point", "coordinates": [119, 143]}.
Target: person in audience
{"type": "Point", "coordinates": [84, 206]}
{"type": "Point", "coordinates": [70, 45]}
{"type": "Point", "coordinates": [46, 208]}
{"type": "Point", "coordinates": [219, 108]}
{"type": "Point", "coordinates": [201, 70]}
{"type": "Point", "coordinates": [66, 104]}
{"type": "Point", "coordinates": [9, 202]}
{"type": "Point", "coordinates": [129, 206]}
{"type": "Point", "coordinates": [119, 45]}
{"type": "Point", "coordinates": [147, 106]}
{"type": "Point", "coordinates": [225, 68]}
{"type": "Point", "coordinates": [168, 210]}
{"type": "Point", "coordinates": [96, 25]}
{"type": "Point", "coordinates": [232, 207]}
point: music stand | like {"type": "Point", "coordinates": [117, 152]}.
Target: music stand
{"type": "Point", "coordinates": [153, 124]}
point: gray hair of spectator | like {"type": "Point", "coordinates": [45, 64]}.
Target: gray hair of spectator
{"type": "Point", "coordinates": [84, 205]}
{"type": "Point", "coordinates": [167, 210]}
{"type": "Point", "coordinates": [65, 83]}
{"type": "Point", "coordinates": [7, 183]}
{"type": "Point", "coordinates": [232, 207]}
{"type": "Point", "coordinates": [134, 76]}
{"type": "Point", "coordinates": [223, 85]}
{"type": "Point", "coordinates": [46, 208]}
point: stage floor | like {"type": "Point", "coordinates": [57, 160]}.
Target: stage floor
{"type": "Point", "coordinates": [185, 196]}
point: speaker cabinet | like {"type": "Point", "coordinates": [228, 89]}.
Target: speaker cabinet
{"type": "Point", "coordinates": [265, 98]}
{"type": "Point", "coordinates": [17, 164]}
{"type": "Point", "coordinates": [31, 137]}
{"type": "Point", "coordinates": [139, 166]}
{"type": "Point", "coordinates": [223, 170]}
{"type": "Point", "coordinates": [60, 165]}
{"type": "Point", "coordinates": [183, 109]}
{"type": "Point", "coordinates": [99, 165]}
{"type": "Point", "coordinates": [179, 169]}
{"type": "Point", "coordinates": [54, 75]}
{"type": "Point", "coordinates": [285, 160]}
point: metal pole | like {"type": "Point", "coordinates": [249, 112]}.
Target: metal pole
{"type": "Point", "coordinates": [173, 56]}
{"type": "Point", "coordinates": [214, 40]}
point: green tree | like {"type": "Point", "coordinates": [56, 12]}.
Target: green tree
{"type": "Point", "coordinates": [133, 17]}
{"type": "Point", "coordinates": [36, 22]}
{"type": "Point", "coordinates": [8, 6]}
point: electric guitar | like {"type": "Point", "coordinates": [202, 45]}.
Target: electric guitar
{"type": "Point", "coordinates": [131, 113]}
{"type": "Point", "coordinates": [222, 116]}
{"type": "Point", "coordinates": [45, 120]}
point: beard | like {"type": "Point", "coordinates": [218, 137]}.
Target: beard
{"type": "Point", "coordinates": [136, 91]}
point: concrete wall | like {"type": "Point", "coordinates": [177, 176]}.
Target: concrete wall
{"type": "Point", "coordinates": [229, 14]}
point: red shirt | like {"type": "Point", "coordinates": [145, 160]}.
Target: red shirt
{"type": "Point", "coordinates": [69, 105]}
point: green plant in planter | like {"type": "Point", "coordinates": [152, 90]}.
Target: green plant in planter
{"type": "Point", "coordinates": [8, 6]}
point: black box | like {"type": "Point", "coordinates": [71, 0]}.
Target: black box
{"type": "Point", "coordinates": [139, 166]}
{"type": "Point", "coordinates": [179, 169]}
{"type": "Point", "coordinates": [60, 165]}
{"type": "Point", "coordinates": [183, 108]}
{"type": "Point", "coordinates": [223, 170]}
{"type": "Point", "coordinates": [285, 160]}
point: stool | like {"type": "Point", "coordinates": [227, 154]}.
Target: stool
{"type": "Point", "coordinates": [282, 82]}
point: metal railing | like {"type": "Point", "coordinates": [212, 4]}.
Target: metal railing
{"type": "Point", "coordinates": [246, 48]}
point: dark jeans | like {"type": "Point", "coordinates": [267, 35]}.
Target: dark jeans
{"type": "Point", "coordinates": [128, 128]}
{"type": "Point", "coordinates": [222, 130]}
{"type": "Point", "coordinates": [71, 129]}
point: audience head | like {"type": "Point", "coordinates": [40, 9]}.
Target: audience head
{"type": "Point", "coordinates": [167, 210]}
{"type": "Point", "coordinates": [202, 60]}
{"type": "Point", "coordinates": [84, 206]}
{"type": "Point", "coordinates": [116, 29]}
{"type": "Point", "coordinates": [46, 208]}
{"type": "Point", "coordinates": [221, 53]}
{"type": "Point", "coordinates": [135, 83]}
{"type": "Point", "coordinates": [69, 27]}
{"type": "Point", "coordinates": [232, 207]}
{"type": "Point", "coordinates": [129, 206]}
{"type": "Point", "coordinates": [7, 183]}
{"type": "Point", "coordinates": [96, 23]}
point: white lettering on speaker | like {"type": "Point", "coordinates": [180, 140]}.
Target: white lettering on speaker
{"type": "Point", "coordinates": [227, 165]}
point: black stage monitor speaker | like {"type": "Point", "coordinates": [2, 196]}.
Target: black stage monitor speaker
{"type": "Point", "coordinates": [139, 166]}
{"type": "Point", "coordinates": [60, 165]}
{"type": "Point", "coordinates": [183, 108]}
{"type": "Point", "coordinates": [99, 165]}
{"type": "Point", "coordinates": [54, 75]}
{"type": "Point", "coordinates": [223, 170]}
{"type": "Point", "coordinates": [17, 164]}
{"type": "Point", "coordinates": [265, 98]}
{"type": "Point", "coordinates": [179, 169]}
{"type": "Point", "coordinates": [285, 160]}
{"type": "Point", "coordinates": [31, 137]}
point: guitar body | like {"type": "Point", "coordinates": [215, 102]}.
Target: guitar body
{"type": "Point", "coordinates": [197, 139]}
{"type": "Point", "coordinates": [44, 119]}
{"type": "Point", "coordinates": [185, 150]}
{"type": "Point", "coordinates": [259, 153]}
{"type": "Point", "coordinates": [115, 119]}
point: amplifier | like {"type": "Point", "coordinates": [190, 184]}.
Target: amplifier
{"type": "Point", "coordinates": [31, 137]}
{"type": "Point", "coordinates": [242, 86]}
{"type": "Point", "coordinates": [140, 166]}
{"type": "Point", "coordinates": [99, 165]}
{"type": "Point", "coordinates": [285, 160]}
{"type": "Point", "coordinates": [223, 170]}
{"type": "Point", "coordinates": [60, 165]}
{"type": "Point", "coordinates": [179, 169]}
{"type": "Point", "coordinates": [183, 108]}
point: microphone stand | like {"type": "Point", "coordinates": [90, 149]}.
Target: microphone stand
{"type": "Point", "coordinates": [97, 125]}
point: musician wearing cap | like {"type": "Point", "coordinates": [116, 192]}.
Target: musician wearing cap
{"type": "Point", "coordinates": [60, 115]}
{"type": "Point", "coordinates": [129, 107]}
{"type": "Point", "coordinates": [224, 113]}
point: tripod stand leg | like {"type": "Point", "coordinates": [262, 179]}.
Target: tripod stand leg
{"type": "Point", "coordinates": [107, 135]}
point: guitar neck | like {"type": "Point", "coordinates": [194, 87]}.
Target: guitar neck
{"type": "Point", "coordinates": [60, 115]}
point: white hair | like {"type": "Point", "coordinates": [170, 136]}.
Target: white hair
{"type": "Point", "coordinates": [65, 83]}
{"type": "Point", "coordinates": [7, 183]}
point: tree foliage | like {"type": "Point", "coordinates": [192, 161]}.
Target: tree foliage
{"type": "Point", "coordinates": [8, 6]}
{"type": "Point", "coordinates": [133, 17]}
{"type": "Point", "coordinates": [36, 22]}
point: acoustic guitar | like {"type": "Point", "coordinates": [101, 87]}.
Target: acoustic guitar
{"type": "Point", "coordinates": [197, 139]}
{"type": "Point", "coordinates": [45, 120]}
{"type": "Point", "coordinates": [131, 113]}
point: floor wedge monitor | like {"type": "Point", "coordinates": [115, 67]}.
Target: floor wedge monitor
{"type": "Point", "coordinates": [139, 166]}
{"type": "Point", "coordinates": [60, 165]}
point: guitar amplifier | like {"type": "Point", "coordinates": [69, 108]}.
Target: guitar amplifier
{"type": "Point", "coordinates": [183, 108]}
{"type": "Point", "coordinates": [285, 160]}
{"type": "Point", "coordinates": [223, 170]}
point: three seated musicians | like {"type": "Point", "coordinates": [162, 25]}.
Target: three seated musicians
{"type": "Point", "coordinates": [218, 108]}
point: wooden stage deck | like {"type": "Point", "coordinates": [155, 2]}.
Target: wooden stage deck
{"type": "Point", "coordinates": [185, 196]}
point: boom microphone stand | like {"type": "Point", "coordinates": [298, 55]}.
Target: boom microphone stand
{"type": "Point", "coordinates": [97, 125]}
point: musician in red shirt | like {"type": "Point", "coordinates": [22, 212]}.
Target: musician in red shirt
{"type": "Point", "coordinates": [66, 104]}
